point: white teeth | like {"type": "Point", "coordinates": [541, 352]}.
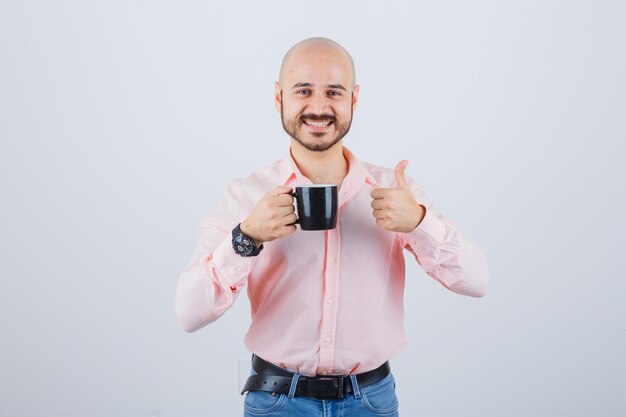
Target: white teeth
{"type": "Point", "coordinates": [318, 124]}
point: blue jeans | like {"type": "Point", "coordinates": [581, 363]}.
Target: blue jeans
{"type": "Point", "coordinates": [375, 400]}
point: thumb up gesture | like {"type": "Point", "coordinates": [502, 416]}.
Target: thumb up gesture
{"type": "Point", "coordinates": [395, 209]}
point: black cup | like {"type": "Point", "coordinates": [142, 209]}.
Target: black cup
{"type": "Point", "coordinates": [317, 206]}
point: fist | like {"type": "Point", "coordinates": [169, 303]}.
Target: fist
{"type": "Point", "coordinates": [395, 209]}
{"type": "Point", "coordinates": [273, 217]}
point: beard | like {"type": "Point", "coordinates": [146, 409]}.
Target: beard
{"type": "Point", "coordinates": [294, 129]}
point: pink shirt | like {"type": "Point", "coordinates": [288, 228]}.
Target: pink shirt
{"type": "Point", "coordinates": [323, 302]}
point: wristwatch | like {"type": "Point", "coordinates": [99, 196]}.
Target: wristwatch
{"type": "Point", "coordinates": [243, 245]}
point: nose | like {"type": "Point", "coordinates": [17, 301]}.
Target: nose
{"type": "Point", "coordinates": [319, 103]}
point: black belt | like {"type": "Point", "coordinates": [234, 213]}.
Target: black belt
{"type": "Point", "coordinates": [272, 378]}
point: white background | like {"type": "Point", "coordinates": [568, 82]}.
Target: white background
{"type": "Point", "coordinates": [122, 122]}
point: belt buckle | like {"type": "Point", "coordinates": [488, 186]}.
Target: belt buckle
{"type": "Point", "coordinates": [337, 383]}
{"type": "Point", "coordinates": [340, 382]}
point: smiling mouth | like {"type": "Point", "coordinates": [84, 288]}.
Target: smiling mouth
{"type": "Point", "coordinates": [317, 125]}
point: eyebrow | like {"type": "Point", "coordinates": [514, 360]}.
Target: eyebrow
{"type": "Point", "coordinates": [336, 86]}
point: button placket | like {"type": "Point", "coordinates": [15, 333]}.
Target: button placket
{"type": "Point", "coordinates": [329, 311]}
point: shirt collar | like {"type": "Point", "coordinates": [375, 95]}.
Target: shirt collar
{"type": "Point", "coordinates": [358, 173]}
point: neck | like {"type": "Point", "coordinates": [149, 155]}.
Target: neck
{"type": "Point", "coordinates": [327, 167]}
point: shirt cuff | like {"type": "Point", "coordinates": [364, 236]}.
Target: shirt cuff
{"type": "Point", "coordinates": [232, 268]}
{"type": "Point", "coordinates": [429, 234]}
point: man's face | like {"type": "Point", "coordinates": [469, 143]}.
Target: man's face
{"type": "Point", "coordinates": [316, 99]}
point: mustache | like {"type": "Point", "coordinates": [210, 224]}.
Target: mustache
{"type": "Point", "coordinates": [318, 117]}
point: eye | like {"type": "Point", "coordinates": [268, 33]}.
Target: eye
{"type": "Point", "coordinates": [304, 91]}
{"type": "Point", "coordinates": [334, 93]}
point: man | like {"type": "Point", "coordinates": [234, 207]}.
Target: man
{"type": "Point", "coordinates": [327, 306]}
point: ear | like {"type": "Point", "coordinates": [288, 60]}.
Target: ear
{"type": "Point", "coordinates": [278, 102]}
{"type": "Point", "coordinates": [355, 96]}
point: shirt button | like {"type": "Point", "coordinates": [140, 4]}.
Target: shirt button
{"type": "Point", "coordinates": [330, 301]}
{"type": "Point", "coordinates": [328, 338]}
{"type": "Point", "coordinates": [332, 259]}
{"type": "Point", "coordinates": [413, 242]}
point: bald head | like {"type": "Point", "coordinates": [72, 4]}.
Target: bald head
{"type": "Point", "coordinates": [316, 50]}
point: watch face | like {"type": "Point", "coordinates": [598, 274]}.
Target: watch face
{"type": "Point", "coordinates": [243, 245]}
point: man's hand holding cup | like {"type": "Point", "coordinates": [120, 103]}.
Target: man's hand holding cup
{"type": "Point", "coordinates": [272, 218]}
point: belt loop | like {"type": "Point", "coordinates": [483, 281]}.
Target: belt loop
{"type": "Point", "coordinates": [294, 385]}
{"type": "Point", "coordinates": [355, 387]}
